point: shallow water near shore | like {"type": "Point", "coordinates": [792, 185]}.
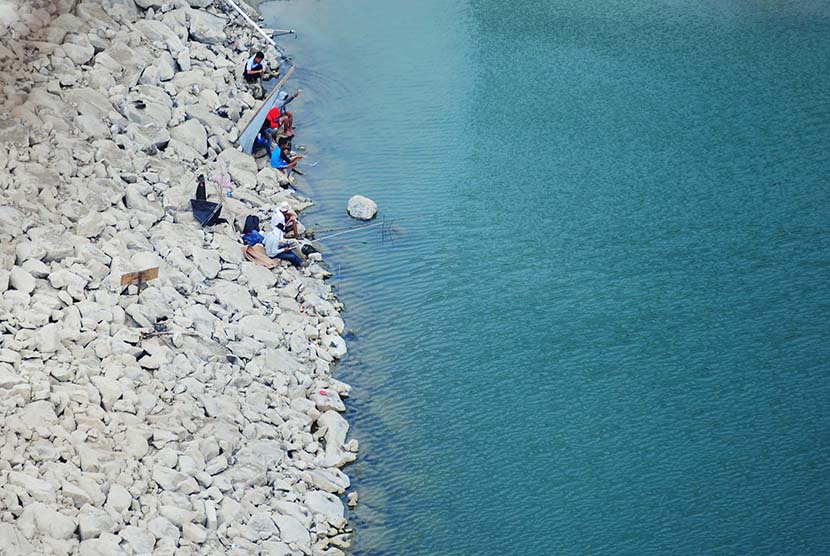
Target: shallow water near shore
{"type": "Point", "coordinates": [598, 318]}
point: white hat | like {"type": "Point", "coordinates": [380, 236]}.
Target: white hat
{"type": "Point", "coordinates": [282, 95]}
{"type": "Point", "coordinates": [285, 207]}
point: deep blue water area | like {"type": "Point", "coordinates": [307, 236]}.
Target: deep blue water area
{"type": "Point", "coordinates": [597, 318]}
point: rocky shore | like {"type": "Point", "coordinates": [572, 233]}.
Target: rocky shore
{"type": "Point", "coordinates": [198, 415]}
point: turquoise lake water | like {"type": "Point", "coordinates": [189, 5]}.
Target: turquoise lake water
{"type": "Point", "coordinates": [598, 318]}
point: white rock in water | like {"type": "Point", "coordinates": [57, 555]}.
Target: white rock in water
{"type": "Point", "coordinates": [362, 208]}
{"type": "Point", "coordinates": [326, 504]}
{"type": "Point", "coordinates": [330, 480]}
{"type": "Point", "coordinates": [335, 345]}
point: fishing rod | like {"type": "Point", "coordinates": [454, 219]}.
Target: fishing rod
{"type": "Point", "coordinates": [326, 230]}
{"type": "Point", "coordinates": [340, 233]}
{"type": "Point", "coordinates": [351, 230]}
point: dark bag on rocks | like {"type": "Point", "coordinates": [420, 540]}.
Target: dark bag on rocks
{"type": "Point", "coordinates": [200, 189]}
{"type": "Point", "coordinates": [251, 223]}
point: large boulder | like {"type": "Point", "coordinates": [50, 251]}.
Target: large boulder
{"type": "Point", "coordinates": [232, 296]}
{"type": "Point", "coordinates": [191, 133]}
{"type": "Point", "coordinates": [362, 208]}
{"type": "Point", "coordinates": [206, 27]}
{"type": "Point", "coordinates": [158, 31]}
{"type": "Point", "coordinates": [21, 280]}
{"type": "Point", "coordinates": [241, 167]}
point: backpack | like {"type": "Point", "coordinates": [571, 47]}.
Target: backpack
{"type": "Point", "coordinates": [200, 188]}
{"type": "Point", "coordinates": [251, 224]}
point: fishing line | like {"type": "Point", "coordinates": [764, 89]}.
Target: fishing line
{"type": "Point", "coordinates": [350, 230]}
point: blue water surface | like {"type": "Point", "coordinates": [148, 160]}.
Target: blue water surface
{"type": "Point", "coordinates": [597, 320]}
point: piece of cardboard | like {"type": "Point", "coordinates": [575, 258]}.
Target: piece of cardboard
{"type": "Point", "coordinates": [140, 276]}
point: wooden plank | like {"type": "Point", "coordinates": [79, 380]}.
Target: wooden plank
{"type": "Point", "coordinates": [140, 276]}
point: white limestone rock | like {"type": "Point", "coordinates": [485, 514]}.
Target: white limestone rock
{"type": "Point", "coordinates": [21, 280]}
{"type": "Point", "coordinates": [206, 27]}
{"type": "Point", "coordinates": [334, 428]}
{"type": "Point", "coordinates": [154, 4]}
{"type": "Point", "coordinates": [38, 489]}
{"type": "Point", "coordinates": [328, 505]}
{"type": "Point", "coordinates": [241, 167]}
{"type": "Point", "coordinates": [362, 208]}
{"type": "Point", "coordinates": [118, 499]}
{"type": "Point", "coordinates": [92, 522]}
{"type": "Point", "coordinates": [139, 539]}
{"type": "Point", "coordinates": [162, 528]}
{"type": "Point", "coordinates": [334, 344]}
{"type": "Point", "coordinates": [329, 480]}
{"type": "Point", "coordinates": [291, 530]}
{"type": "Point", "coordinates": [13, 542]}
{"type": "Point", "coordinates": [193, 134]}
{"type": "Point", "coordinates": [165, 67]}
{"type": "Point", "coordinates": [232, 296]}
{"type": "Point", "coordinates": [43, 519]}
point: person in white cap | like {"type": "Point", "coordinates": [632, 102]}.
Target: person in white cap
{"type": "Point", "coordinates": [283, 99]}
{"type": "Point", "coordinates": [286, 221]}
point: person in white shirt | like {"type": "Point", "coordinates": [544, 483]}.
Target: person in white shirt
{"type": "Point", "coordinates": [286, 220]}
{"type": "Point", "coordinates": [276, 248]}
{"type": "Point", "coordinates": [254, 68]}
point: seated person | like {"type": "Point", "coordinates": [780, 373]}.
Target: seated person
{"type": "Point", "coordinates": [254, 68]}
{"type": "Point", "coordinates": [283, 99]}
{"type": "Point", "coordinates": [281, 158]}
{"type": "Point", "coordinates": [264, 139]}
{"type": "Point", "coordinates": [286, 221]}
{"type": "Point", "coordinates": [276, 248]}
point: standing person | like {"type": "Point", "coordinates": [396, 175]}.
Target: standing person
{"type": "Point", "coordinates": [276, 248]}
{"type": "Point", "coordinates": [286, 220]}
{"type": "Point", "coordinates": [283, 99]}
{"type": "Point", "coordinates": [253, 71]}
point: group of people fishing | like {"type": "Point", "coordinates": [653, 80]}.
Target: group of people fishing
{"type": "Point", "coordinates": [275, 136]}
{"type": "Point", "coordinates": [278, 127]}
{"type": "Point", "coordinates": [284, 225]}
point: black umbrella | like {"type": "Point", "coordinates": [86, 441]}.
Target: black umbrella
{"type": "Point", "coordinates": [206, 212]}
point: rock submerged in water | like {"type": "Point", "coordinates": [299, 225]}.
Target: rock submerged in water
{"type": "Point", "coordinates": [362, 208]}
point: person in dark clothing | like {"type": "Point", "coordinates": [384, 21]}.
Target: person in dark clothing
{"type": "Point", "coordinates": [264, 138]}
